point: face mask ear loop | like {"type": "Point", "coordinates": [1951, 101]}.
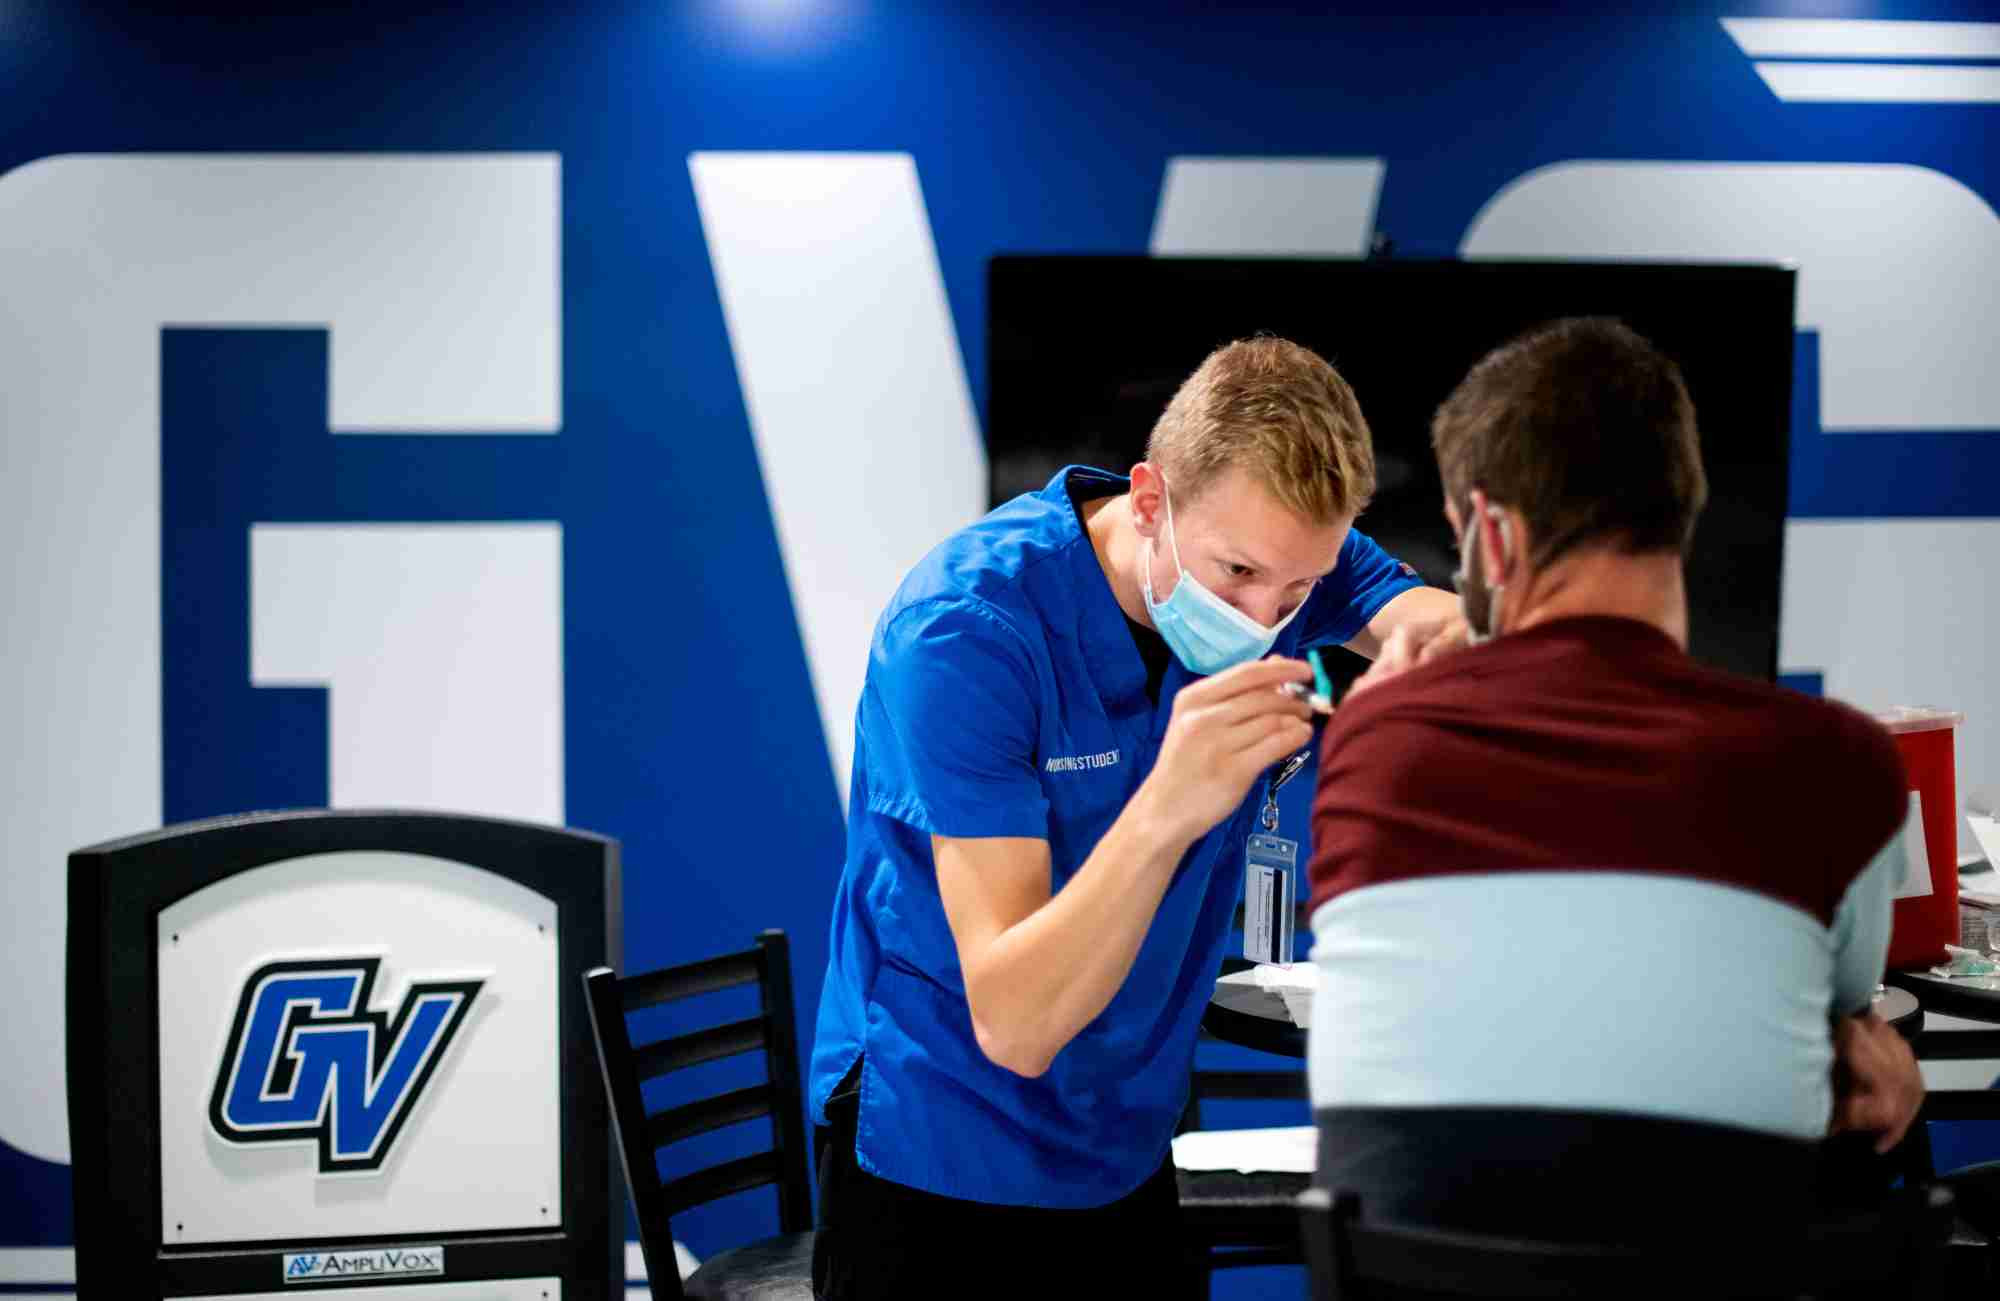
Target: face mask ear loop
{"type": "Point", "coordinates": [1497, 593]}
{"type": "Point", "coordinates": [1504, 554]}
{"type": "Point", "coordinates": [1173, 540]}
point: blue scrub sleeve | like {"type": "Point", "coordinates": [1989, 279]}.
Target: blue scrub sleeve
{"type": "Point", "coordinates": [1365, 579]}
{"type": "Point", "coordinates": [950, 721]}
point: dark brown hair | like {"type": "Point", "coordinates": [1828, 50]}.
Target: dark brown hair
{"type": "Point", "coordinates": [1587, 430]}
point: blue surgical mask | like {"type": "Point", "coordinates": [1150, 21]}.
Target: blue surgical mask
{"type": "Point", "coordinates": [1206, 633]}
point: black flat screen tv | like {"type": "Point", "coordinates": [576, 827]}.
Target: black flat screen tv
{"type": "Point", "coordinates": [1083, 353]}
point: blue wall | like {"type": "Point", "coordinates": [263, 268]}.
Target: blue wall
{"type": "Point", "coordinates": [688, 704]}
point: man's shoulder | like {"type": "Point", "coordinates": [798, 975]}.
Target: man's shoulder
{"type": "Point", "coordinates": [1780, 720]}
{"type": "Point", "coordinates": [1811, 716]}
{"type": "Point", "coordinates": [1825, 735]}
{"type": "Point", "coordinates": [988, 562]}
{"type": "Point", "coordinates": [1522, 677]}
{"type": "Point", "coordinates": [1474, 680]}
{"type": "Point", "coordinates": [1825, 770]}
{"type": "Point", "coordinates": [982, 590]}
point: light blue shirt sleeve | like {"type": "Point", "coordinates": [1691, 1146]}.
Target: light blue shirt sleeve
{"type": "Point", "coordinates": [1365, 579]}
{"type": "Point", "coordinates": [949, 719]}
{"type": "Point", "coordinates": [1861, 929]}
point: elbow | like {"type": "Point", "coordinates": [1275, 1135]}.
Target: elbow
{"type": "Point", "coordinates": [1010, 1051]}
{"type": "Point", "coordinates": [1017, 1058]}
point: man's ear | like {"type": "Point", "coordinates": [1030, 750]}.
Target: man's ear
{"type": "Point", "coordinates": [1500, 540]}
{"type": "Point", "coordinates": [1148, 498]}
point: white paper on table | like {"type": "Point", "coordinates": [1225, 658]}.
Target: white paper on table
{"type": "Point", "coordinates": [1300, 977]}
{"type": "Point", "coordinates": [1290, 1149]}
{"type": "Point", "coordinates": [1294, 984]}
{"type": "Point", "coordinates": [1986, 830]}
{"type": "Point", "coordinates": [1985, 895]}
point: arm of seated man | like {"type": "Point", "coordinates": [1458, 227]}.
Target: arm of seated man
{"type": "Point", "coordinates": [1877, 1085]}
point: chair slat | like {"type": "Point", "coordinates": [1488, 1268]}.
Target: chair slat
{"type": "Point", "coordinates": [623, 1066]}
{"type": "Point", "coordinates": [719, 1181]}
{"type": "Point", "coordinates": [677, 1123]}
{"type": "Point", "coordinates": [787, 1122]}
{"type": "Point", "coordinates": [652, 988]}
{"type": "Point", "coordinates": [682, 1051]}
{"type": "Point", "coordinates": [1961, 1104]}
{"type": "Point", "coordinates": [1249, 1085]}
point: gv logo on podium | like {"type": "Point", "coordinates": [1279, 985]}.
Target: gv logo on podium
{"type": "Point", "coordinates": [307, 1059]}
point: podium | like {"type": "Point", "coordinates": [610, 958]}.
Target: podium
{"type": "Point", "coordinates": [342, 1052]}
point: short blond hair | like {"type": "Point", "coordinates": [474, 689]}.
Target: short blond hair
{"type": "Point", "coordinates": [1284, 415]}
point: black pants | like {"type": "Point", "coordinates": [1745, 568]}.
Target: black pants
{"type": "Point", "coordinates": [883, 1240]}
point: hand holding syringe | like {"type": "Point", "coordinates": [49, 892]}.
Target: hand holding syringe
{"type": "Point", "coordinates": [1319, 696]}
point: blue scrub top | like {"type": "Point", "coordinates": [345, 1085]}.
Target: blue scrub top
{"type": "Point", "coordinates": [1005, 697]}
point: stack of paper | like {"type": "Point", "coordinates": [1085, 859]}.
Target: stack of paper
{"type": "Point", "coordinates": [1295, 984]}
{"type": "Point", "coordinates": [1986, 830]}
{"type": "Point", "coordinates": [1291, 1149]}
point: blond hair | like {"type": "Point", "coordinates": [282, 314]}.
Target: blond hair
{"type": "Point", "coordinates": [1283, 414]}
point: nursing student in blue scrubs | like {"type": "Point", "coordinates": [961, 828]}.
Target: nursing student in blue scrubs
{"type": "Point", "coordinates": [1068, 711]}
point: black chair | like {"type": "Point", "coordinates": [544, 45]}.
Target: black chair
{"type": "Point", "coordinates": [776, 1268]}
{"type": "Point", "coordinates": [1232, 1220]}
{"type": "Point", "coordinates": [1974, 1262]}
{"type": "Point", "coordinates": [1896, 1252]}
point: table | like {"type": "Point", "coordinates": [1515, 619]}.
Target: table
{"type": "Point", "coordinates": [1976, 998]}
{"type": "Point", "coordinates": [1252, 1017]}
{"type": "Point", "coordinates": [1903, 1010]}
{"type": "Point", "coordinates": [1256, 1018]}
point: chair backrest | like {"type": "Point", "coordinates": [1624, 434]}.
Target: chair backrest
{"type": "Point", "coordinates": [1891, 1253]}
{"type": "Point", "coordinates": [624, 1066]}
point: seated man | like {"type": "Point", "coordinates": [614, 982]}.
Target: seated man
{"type": "Point", "coordinates": [1590, 916]}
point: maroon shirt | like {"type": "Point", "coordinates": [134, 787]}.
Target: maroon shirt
{"type": "Point", "coordinates": [1596, 743]}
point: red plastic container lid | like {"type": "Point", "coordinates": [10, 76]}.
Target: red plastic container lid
{"type": "Point", "coordinates": [1917, 718]}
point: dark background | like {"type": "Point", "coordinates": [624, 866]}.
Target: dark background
{"type": "Point", "coordinates": [1084, 352]}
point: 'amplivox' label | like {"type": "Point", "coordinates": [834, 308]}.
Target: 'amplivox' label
{"type": "Point", "coordinates": [371, 1262]}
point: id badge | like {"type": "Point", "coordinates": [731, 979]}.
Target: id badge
{"type": "Point", "coordinates": [1269, 894]}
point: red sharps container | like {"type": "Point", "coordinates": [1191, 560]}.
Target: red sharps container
{"type": "Point", "coordinates": [1926, 910]}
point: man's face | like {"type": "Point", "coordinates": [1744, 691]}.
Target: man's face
{"type": "Point", "coordinates": [1245, 546]}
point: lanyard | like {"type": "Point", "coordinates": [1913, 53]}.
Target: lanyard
{"type": "Point", "coordinates": [1283, 773]}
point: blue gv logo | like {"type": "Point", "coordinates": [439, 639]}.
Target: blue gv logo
{"type": "Point", "coordinates": [308, 1060]}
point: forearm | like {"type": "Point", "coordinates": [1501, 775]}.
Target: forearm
{"type": "Point", "coordinates": [1418, 607]}
{"type": "Point", "coordinates": [1034, 985]}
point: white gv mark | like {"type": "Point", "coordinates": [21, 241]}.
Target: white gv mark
{"type": "Point", "coordinates": [439, 280]}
